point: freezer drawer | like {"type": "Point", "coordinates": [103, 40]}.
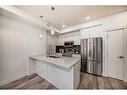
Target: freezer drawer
{"type": "Point", "coordinates": [97, 68]}
{"type": "Point", "coordinates": [91, 67]}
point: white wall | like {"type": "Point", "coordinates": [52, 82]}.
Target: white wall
{"type": "Point", "coordinates": [18, 41]}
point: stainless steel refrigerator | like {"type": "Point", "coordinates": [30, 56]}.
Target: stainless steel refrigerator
{"type": "Point", "coordinates": [91, 55]}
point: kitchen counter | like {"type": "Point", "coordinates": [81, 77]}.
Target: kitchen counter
{"type": "Point", "coordinates": [63, 72]}
{"type": "Point", "coordinates": [63, 62]}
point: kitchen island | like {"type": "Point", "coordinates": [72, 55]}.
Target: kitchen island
{"type": "Point", "coordinates": [63, 72]}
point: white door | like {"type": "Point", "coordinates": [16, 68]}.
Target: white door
{"type": "Point", "coordinates": [125, 54]}
{"type": "Point", "coordinates": [115, 54]}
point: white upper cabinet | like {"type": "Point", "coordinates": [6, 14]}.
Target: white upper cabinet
{"type": "Point", "coordinates": [73, 36]}
{"type": "Point", "coordinates": [95, 32]}
{"type": "Point", "coordinates": [68, 37]}
{"type": "Point", "coordinates": [76, 38]}
{"type": "Point", "coordinates": [84, 34]}
{"type": "Point", "coordinates": [91, 32]}
{"type": "Point", "coordinates": [61, 40]}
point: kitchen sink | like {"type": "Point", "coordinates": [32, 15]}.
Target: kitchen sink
{"type": "Point", "coordinates": [53, 56]}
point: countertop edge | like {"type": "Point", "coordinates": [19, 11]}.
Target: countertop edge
{"type": "Point", "coordinates": [63, 67]}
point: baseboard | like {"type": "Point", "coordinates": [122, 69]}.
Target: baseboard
{"type": "Point", "coordinates": [13, 78]}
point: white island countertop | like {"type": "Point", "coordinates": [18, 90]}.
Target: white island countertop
{"type": "Point", "coordinates": [64, 62]}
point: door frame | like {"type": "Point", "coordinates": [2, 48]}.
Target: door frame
{"type": "Point", "coordinates": [107, 53]}
{"type": "Point", "coordinates": [125, 54]}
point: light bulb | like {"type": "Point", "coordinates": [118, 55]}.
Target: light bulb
{"type": "Point", "coordinates": [40, 35]}
{"type": "Point", "coordinates": [88, 17]}
{"type": "Point", "coordinates": [52, 32]}
{"type": "Point", "coordinates": [63, 25]}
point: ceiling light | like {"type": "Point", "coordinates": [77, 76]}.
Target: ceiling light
{"type": "Point", "coordinates": [88, 17]}
{"type": "Point", "coordinates": [41, 36]}
{"type": "Point", "coordinates": [63, 25]}
{"type": "Point", "coordinates": [52, 31]}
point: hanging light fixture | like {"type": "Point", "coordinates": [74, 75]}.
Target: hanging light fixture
{"type": "Point", "coordinates": [41, 31]}
{"type": "Point", "coordinates": [52, 29]}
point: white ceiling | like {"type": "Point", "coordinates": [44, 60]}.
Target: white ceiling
{"type": "Point", "coordinates": [70, 15]}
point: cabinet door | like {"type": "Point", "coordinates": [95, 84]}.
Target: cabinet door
{"type": "Point", "coordinates": [60, 40]}
{"type": "Point", "coordinates": [60, 78]}
{"type": "Point", "coordinates": [91, 32]}
{"type": "Point", "coordinates": [95, 32]}
{"type": "Point", "coordinates": [77, 74]}
{"type": "Point", "coordinates": [41, 69]}
{"type": "Point", "coordinates": [84, 34]}
{"type": "Point", "coordinates": [68, 37]}
{"type": "Point", "coordinates": [76, 38]}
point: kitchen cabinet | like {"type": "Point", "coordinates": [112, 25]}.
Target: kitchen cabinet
{"type": "Point", "coordinates": [84, 34]}
{"type": "Point", "coordinates": [77, 74]}
{"type": "Point", "coordinates": [91, 32]}
{"type": "Point", "coordinates": [41, 68]}
{"type": "Point", "coordinates": [74, 36]}
{"type": "Point", "coordinates": [61, 76]}
{"type": "Point", "coordinates": [61, 40]}
{"type": "Point", "coordinates": [95, 32]}
{"type": "Point", "coordinates": [68, 37]}
{"type": "Point", "coordinates": [77, 38]}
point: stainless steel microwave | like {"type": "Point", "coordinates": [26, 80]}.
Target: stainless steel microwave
{"type": "Point", "coordinates": [69, 44]}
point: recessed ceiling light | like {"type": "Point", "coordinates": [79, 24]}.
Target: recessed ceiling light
{"type": "Point", "coordinates": [41, 16]}
{"type": "Point", "coordinates": [88, 17]}
{"type": "Point", "coordinates": [63, 25]}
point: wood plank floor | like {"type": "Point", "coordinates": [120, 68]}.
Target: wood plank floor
{"type": "Point", "coordinates": [87, 81]}
{"type": "Point", "coordinates": [29, 82]}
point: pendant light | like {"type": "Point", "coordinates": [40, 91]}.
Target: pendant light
{"type": "Point", "coordinates": [52, 29]}
{"type": "Point", "coordinates": [41, 31]}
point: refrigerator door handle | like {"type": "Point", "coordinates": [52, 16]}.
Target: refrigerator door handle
{"type": "Point", "coordinates": [90, 49]}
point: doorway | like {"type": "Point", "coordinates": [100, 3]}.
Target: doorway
{"type": "Point", "coordinates": [116, 54]}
